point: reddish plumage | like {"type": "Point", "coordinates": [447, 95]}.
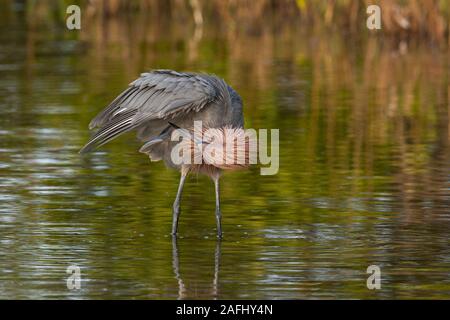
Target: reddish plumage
{"type": "Point", "coordinates": [224, 148]}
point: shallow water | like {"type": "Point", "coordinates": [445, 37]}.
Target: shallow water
{"type": "Point", "coordinates": [364, 173]}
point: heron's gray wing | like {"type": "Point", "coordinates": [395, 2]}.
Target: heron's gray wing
{"type": "Point", "coordinates": [160, 94]}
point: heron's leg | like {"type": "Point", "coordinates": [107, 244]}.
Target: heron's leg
{"type": "Point", "coordinates": [176, 203]}
{"type": "Point", "coordinates": [218, 213]}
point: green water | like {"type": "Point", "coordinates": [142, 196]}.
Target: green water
{"type": "Point", "coordinates": [364, 173]}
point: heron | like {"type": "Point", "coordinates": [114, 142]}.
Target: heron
{"type": "Point", "coordinates": [161, 101]}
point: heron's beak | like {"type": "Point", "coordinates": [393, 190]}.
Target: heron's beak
{"type": "Point", "coordinates": [188, 135]}
{"type": "Point", "coordinates": [174, 125]}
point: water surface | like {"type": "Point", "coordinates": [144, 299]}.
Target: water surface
{"type": "Point", "coordinates": [364, 173]}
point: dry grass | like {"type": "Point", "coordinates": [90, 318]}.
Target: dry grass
{"type": "Point", "coordinates": [405, 19]}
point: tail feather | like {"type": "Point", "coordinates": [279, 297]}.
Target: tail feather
{"type": "Point", "coordinates": [103, 117]}
{"type": "Point", "coordinates": [121, 124]}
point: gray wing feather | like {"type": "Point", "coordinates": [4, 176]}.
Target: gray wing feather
{"type": "Point", "coordinates": [160, 94]}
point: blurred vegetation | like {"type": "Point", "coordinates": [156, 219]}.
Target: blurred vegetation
{"type": "Point", "coordinates": [401, 19]}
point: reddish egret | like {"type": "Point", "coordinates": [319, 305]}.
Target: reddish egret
{"type": "Point", "coordinates": [161, 101]}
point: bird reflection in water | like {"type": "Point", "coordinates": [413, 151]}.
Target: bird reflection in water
{"type": "Point", "coordinates": [182, 290]}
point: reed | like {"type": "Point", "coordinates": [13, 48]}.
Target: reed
{"type": "Point", "coordinates": [418, 19]}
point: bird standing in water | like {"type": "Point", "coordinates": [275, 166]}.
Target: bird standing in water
{"type": "Point", "coordinates": [161, 101]}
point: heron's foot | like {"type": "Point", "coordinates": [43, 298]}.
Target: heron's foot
{"type": "Point", "coordinates": [174, 230]}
